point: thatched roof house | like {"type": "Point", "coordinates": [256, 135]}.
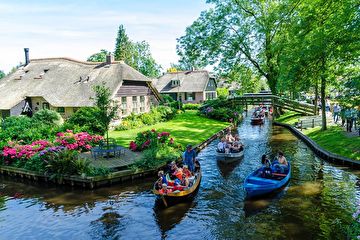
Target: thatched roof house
{"type": "Point", "coordinates": [64, 84]}
{"type": "Point", "coordinates": [188, 86]}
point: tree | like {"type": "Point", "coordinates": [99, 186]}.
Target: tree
{"type": "Point", "coordinates": [2, 74]}
{"type": "Point", "coordinates": [239, 32]}
{"type": "Point", "coordinates": [99, 57]}
{"type": "Point", "coordinates": [135, 54]}
{"type": "Point", "coordinates": [107, 107]}
{"type": "Point", "coordinates": [327, 40]}
{"type": "Point", "coordinates": [123, 46]}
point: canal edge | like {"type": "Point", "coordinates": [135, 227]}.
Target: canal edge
{"type": "Point", "coordinates": [319, 151]}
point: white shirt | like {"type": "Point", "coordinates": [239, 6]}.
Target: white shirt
{"type": "Point", "coordinates": [221, 146]}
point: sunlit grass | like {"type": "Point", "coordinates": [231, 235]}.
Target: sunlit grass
{"type": "Point", "coordinates": [334, 139]}
{"type": "Point", "coordinates": [185, 128]}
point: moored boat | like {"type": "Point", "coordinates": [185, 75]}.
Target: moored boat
{"type": "Point", "coordinates": [229, 157]}
{"type": "Point", "coordinates": [183, 195]}
{"type": "Point", "coordinates": [256, 185]}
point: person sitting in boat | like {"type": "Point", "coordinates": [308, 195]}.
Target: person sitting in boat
{"type": "Point", "coordinates": [229, 138]}
{"type": "Point", "coordinates": [186, 171]}
{"type": "Point", "coordinates": [185, 181]}
{"type": "Point", "coordinates": [237, 145]}
{"type": "Point", "coordinates": [189, 158]}
{"type": "Point", "coordinates": [282, 163]}
{"type": "Point", "coordinates": [162, 177]}
{"type": "Point", "coordinates": [266, 171]}
{"type": "Point", "coordinates": [165, 189]}
{"type": "Point", "coordinates": [221, 145]}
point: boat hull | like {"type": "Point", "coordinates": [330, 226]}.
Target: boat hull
{"type": "Point", "coordinates": [257, 186]}
{"type": "Point", "coordinates": [229, 157]}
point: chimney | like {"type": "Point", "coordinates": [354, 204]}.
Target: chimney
{"type": "Point", "coordinates": [109, 58]}
{"type": "Point", "coordinates": [27, 60]}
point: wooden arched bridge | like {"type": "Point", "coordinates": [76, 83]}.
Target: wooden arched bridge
{"type": "Point", "coordinates": [274, 100]}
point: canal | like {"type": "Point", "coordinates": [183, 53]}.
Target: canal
{"type": "Point", "coordinates": [318, 202]}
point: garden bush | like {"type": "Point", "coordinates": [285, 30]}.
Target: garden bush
{"type": "Point", "coordinates": [48, 117]}
{"type": "Point", "coordinates": [25, 129]}
{"type": "Point", "coordinates": [191, 106]}
{"type": "Point", "coordinates": [86, 119]}
{"type": "Point", "coordinates": [219, 109]}
{"type": "Point", "coordinates": [156, 115]}
{"type": "Point", "coordinates": [157, 147]}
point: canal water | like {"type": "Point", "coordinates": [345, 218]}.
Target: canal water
{"type": "Point", "coordinates": [318, 202]}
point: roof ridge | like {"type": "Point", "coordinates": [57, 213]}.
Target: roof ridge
{"type": "Point", "coordinates": [190, 71]}
{"type": "Point", "coordinates": [67, 59]}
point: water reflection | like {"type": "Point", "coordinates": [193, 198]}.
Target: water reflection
{"type": "Point", "coordinates": [168, 218]}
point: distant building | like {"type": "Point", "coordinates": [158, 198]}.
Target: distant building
{"type": "Point", "coordinates": [65, 85]}
{"type": "Point", "coordinates": [187, 87]}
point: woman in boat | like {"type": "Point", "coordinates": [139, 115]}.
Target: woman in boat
{"type": "Point", "coordinates": [186, 171]}
{"type": "Point", "coordinates": [229, 138]}
{"type": "Point", "coordinates": [266, 166]}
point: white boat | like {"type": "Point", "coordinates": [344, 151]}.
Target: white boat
{"type": "Point", "coordinates": [229, 157]}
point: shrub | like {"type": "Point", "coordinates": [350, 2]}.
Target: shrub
{"type": "Point", "coordinates": [81, 142]}
{"type": "Point", "coordinates": [48, 117]}
{"type": "Point", "coordinates": [16, 128]}
{"type": "Point", "coordinates": [191, 106]}
{"type": "Point", "coordinates": [86, 119]}
{"type": "Point", "coordinates": [151, 139]}
{"type": "Point", "coordinates": [158, 114]}
{"type": "Point", "coordinates": [156, 157]}
{"type": "Point", "coordinates": [219, 109]}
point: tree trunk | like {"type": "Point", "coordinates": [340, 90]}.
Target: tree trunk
{"type": "Point", "coordinates": [316, 97]}
{"type": "Point", "coordinates": [323, 107]}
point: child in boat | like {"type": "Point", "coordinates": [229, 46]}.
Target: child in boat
{"type": "Point", "coordinates": [229, 138]}
{"type": "Point", "coordinates": [165, 189]}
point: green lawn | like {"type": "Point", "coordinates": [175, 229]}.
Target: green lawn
{"type": "Point", "coordinates": [334, 139]}
{"type": "Point", "coordinates": [185, 128]}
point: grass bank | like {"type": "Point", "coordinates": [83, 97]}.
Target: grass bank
{"type": "Point", "coordinates": [185, 128]}
{"type": "Point", "coordinates": [334, 139]}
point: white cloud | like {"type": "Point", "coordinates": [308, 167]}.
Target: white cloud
{"type": "Point", "coordinates": [69, 30]}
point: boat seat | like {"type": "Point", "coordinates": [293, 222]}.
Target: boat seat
{"type": "Point", "coordinates": [279, 174]}
{"type": "Point", "coordinates": [261, 180]}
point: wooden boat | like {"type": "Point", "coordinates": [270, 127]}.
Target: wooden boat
{"type": "Point", "coordinates": [229, 157]}
{"type": "Point", "coordinates": [181, 196]}
{"type": "Point", "coordinates": [256, 185]}
{"type": "Point", "coordinates": [257, 120]}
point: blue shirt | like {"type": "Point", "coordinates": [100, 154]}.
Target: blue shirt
{"type": "Point", "coordinates": [189, 156]}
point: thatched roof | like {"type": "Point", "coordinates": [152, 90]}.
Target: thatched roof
{"type": "Point", "coordinates": [190, 81]}
{"type": "Point", "coordinates": [63, 82]}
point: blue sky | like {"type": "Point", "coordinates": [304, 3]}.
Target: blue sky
{"type": "Point", "coordinates": [79, 28]}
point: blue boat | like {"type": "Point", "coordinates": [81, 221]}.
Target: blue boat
{"type": "Point", "coordinates": [256, 184]}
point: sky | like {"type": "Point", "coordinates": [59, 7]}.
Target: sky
{"type": "Point", "coordinates": [80, 28]}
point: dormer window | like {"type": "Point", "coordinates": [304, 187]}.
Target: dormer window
{"type": "Point", "coordinates": [175, 83]}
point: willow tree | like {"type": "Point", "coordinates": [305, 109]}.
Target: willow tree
{"type": "Point", "coordinates": [245, 32]}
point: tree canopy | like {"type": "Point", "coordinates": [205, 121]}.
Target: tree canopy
{"type": "Point", "coordinates": [99, 57]}
{"type": "Point", "coordinates": [2, 74]}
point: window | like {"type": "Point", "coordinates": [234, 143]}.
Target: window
{"type": "Point", "coordinates": [190, 96]}
{"type": "Point", "coordinates": [175, 83]}
{"type": "Point", "coordinates": [61, 110]}
{"type": "Point", "coordinates": [45, 105]}
{"type": "Point", "coordinates": [123, 106]}
{"type": "Point", "coordinates": [134, 104]}
{"type": "Point", "coordinates": [142, 103]}
{"type": "Point", "coordinates": [210, 95]}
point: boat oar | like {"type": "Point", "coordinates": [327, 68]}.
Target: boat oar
{"type": "Point", "coordinates": [164, 201]}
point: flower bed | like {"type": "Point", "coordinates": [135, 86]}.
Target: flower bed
{"type": "Point", "coordinates": [60, 156]}
{"type": "Point", "coordinates": [157, 147]}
